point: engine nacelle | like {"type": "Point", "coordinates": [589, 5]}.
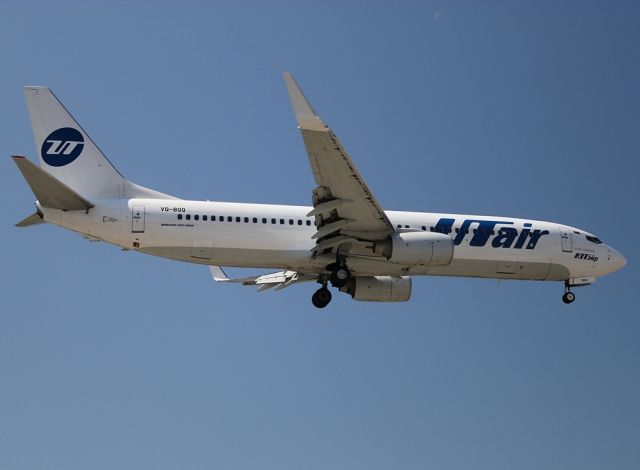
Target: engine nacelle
{"type": "Point", "coordinates": [417, 249]}
{"type": "Point", "coordinates": [379, 288]}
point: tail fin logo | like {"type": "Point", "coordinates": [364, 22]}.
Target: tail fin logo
{"type": "Point", "coordinates": [62, 146]}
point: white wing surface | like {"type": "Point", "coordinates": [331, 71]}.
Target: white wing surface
{"type": "Point", "coordinates": [278, 280]}
{"type": "Point", "coordinates": [344, 207]}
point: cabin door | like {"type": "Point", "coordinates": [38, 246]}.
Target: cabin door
{"type": "Point", "coordinates": [565, 239]}
{"type": "Point", "coordinates": [137, 219]}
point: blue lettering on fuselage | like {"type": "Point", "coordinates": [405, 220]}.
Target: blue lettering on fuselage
{"type": "Point", "coordinates": [503, 235]}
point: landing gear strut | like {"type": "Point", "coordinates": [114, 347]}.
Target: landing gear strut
{"type": "Point", "coordinates": [568, 296]}
{"type": "Point", "coordinates": [321, 297]}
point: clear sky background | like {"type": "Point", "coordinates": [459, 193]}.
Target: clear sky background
{"type": "Point", "coordinates": [113, 360]}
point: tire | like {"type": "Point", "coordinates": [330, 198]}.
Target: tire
{"type": "Point", "coordinates": [321, 298]}
{"type": "Point", "coordinates": [316, 303]}
{"type": "Point", "coordinates": [568, 297]}
{"type": "Point", "coordinates": [340, 277]}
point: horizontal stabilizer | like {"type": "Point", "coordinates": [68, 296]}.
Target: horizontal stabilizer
{"type": "Point", "coordinates": [33, 219]}
{"type": "Point", "coordinates": [50, 191]}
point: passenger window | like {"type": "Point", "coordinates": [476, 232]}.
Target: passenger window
{"type": "Point", "coordinates": [308, 222]}
{"type": "Point", "coordinates": [299, 222]}
{"type": "Point", "coordinates": [264, 220]}
{"type": "Point", "coordinates": [213, 218]}
{"type": "Point", "coordinates": [246, 219]}
{"type": "Point", "coordinates": [179, 216]}
{"type": "Point", "coordinates": [221, 218]}
{"type": "Point", "coordinates": [196, 217]}
{"type": "Point", "coordinates": [238, 219]}
{"type": "Point", "coordinates": [188, 217]}
{"type": "Point", "coordinates": [255, 220]}
{"type": "Point", "coordinates": [290, 221]}
{"type": "Point", "coordinates": [281, 221]}
{"type": "Point", "coordinates": [204, 217]}
{"type": "Point", "coordinates": [229, 219]}
{"type": "Point", "coordinates": [273, 221]}
{"type": "Point", "coordinates": [424, 228]}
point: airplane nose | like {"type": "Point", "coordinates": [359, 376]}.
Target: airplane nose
{"type": "Point", "coordinates": [618, 261]}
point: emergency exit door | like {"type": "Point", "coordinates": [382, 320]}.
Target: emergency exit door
{"type": "Point", "coordinates": [137, 219]}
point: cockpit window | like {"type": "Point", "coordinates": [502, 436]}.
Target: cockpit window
{"type": "Point", "coordinates": [595, 240]}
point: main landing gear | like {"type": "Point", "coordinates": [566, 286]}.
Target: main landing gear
{"type": "Point", "coordinates": [568, 296]}
{"type": "Point", "coordinates": [321, 297]}
{"type": "Point", "coordinates": [339, 276]}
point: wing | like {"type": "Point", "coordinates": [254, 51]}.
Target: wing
{"type": "Point", "coordinates": [279, 280]}
{"type": "Point", "coordinates": [344, 207]}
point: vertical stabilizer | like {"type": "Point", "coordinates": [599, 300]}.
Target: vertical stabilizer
{"type": "Point", "coordinates": [68, 154]}
{"type": "Point", "coordinates": [66, 151]}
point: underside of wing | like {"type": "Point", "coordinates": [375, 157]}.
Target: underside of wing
{"type": "Point", "coordinates": [344, 207]}
{"type": "Point", "coordinates": [277, 281]}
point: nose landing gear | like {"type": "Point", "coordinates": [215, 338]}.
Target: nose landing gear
{"type": "Point", "coordinates": [568, 296]}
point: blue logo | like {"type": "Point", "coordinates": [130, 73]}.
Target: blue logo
{"type": "Point", "coordinates": [502, 233]}
{"type": "Point", "coordinates": [62, 146]}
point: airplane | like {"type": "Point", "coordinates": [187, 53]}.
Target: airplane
{"type": "Point", "coordinates": [344, 240]}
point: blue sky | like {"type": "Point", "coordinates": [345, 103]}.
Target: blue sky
{"type": "Point", "coordinates": [119, 360]}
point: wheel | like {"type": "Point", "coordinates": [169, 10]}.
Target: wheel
{"type": "Point", "coordinates": [568, 297]}
{"type": "Point", "coordinates": [340, 277]}
{"type": "Point", "coordinates": [321, 297]}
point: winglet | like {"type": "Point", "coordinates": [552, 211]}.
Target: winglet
{"type": "Point", "coordinates": [305, 115]}
{"type": "Point", "coordinates": [218, 274]}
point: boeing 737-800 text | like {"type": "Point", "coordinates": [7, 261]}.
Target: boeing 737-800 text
{"type": "Point", "coordinates": [345, 239]}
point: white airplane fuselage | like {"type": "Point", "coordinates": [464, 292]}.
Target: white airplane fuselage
{"type": "Point", "coordinates": [345, 240]}
{"type": "Point", "coordinates": [279, 236]}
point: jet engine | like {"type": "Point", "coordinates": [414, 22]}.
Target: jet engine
{"type": "Point", "coordinates": [417, 249]}
{"type": "Point", "coordinates": [379, 288]}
